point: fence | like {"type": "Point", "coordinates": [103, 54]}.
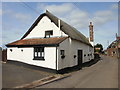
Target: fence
{"type": "Point", "coordinates": [4, 55]}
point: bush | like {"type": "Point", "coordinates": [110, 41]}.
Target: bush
{"type": "Point", "coordinates": [96, 56]}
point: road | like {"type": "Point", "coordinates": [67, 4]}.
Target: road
{"type": "Point", "coordinates": [15, 75]}
{"type": "Point", "coordinates": [103, 74]}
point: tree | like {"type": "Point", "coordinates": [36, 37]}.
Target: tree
{"type": "Point", "coordinates": [98, 48]}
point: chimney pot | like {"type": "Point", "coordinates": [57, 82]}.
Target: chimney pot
{"type": "Point", "coordinates": [90, 23]}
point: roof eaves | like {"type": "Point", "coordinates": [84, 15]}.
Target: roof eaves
{"type": "Point", "coordinates": [83, 42]}
{"type": "Point", "coordinates": [40, 45]}
{"type": "Point", "coordinates": [16, 43]}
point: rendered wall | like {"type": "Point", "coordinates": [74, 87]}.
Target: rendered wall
{"type": "Point", "coordinates": [26, 56]}
{"type": "Point", "coordinates": [71, 47]}
{"type": "Point", "coordinates": [45, 24]}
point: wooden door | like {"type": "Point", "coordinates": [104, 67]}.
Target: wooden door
{"type": "Point", "coordinates": [80, 57]}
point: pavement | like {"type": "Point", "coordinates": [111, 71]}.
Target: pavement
{"type": "Point", "coordinates": [103, 74]}
{"type": "Point", "coordinates": [15, 75]}
{"type": "Point", "coordinates": [43, 81]}
{"type": "Point", "coordinates": [97, 74]}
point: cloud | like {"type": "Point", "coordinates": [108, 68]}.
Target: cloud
{"type": "Point", "coordinates": [102, 36]}
{"type": "Point", "coordinates": [114, 6]}
{"type": "Point", "coordinates": [67, 12]}
{"type": "Point", "coordinates": [22, 17]}
{"type": "Point", "coordinates": [7, 11]}
{"type": "Point", "coordinates": [11, 35]}
{"type": "Point", "coordinates": [58, 9]}
{"type": "Point", "coordinates": [80, 19]}
{"type": "Point", "coordinates": [14, 28]}
{"type": "Point", "coordinates": [102, 17]}
{"type": "Point", "coordinates": [76, 17]}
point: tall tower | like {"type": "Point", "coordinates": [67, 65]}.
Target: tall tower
{"type": "Point", "coordinates": [91, 39]}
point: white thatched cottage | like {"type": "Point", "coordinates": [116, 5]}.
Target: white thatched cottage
{"type": "Point", "coordinates": [52, 43]}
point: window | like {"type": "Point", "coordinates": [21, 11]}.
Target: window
{"type": "Point", "coordinates": [38, 53]}
{"type": "Point", "coordinates": [48, 33]}
{"type": "Point", "coordinates": [62, 53]}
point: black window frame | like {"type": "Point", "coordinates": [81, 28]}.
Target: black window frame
{"type": "Point", "coordinates": [48, 33]}
{"type": "Point", "coordinates": [38, 53]}
{"type": "Point", "coordinates": [62, 52]}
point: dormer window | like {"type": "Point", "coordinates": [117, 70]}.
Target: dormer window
{"type": "Point", "coordinates": [48, 34]}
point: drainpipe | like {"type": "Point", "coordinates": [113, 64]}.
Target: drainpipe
{"type": "Point", "coordinates": [59, 27]}
{"type": "Point", "coordinates": [56, 59]}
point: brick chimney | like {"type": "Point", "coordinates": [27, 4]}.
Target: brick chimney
{"type": "Point", "coordinates": [117, 37]}
{"type": "Point", "coordinates": [91, 38]}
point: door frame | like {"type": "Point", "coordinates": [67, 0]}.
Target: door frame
{"type": "Point", "coordinates": [82, 56]}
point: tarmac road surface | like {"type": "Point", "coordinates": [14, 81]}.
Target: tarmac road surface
{"type": "Point", "coordinates": [14, 75]}
{"type": "Point", "coordinates": [103, 74]}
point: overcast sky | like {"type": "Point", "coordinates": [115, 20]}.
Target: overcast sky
{"type": "Point", "coordinates": [18, 17]}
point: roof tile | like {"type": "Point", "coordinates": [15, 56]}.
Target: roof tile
{"type": "Point", "coordinates": [38, 41]}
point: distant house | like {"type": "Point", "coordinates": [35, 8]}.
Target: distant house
{"type": "Point", "coordinates": [105, 52]}
{"type": "Point", "coordinates": [0, 54]}
{"type": "Point", "coordinates": [114, 48]}
{"type": "Point", "coordinates": [52, 43]}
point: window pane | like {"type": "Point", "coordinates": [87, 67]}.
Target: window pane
{"type": "Point", "coordinates": [42, 54]}
{"type": "Point", "coordinates": [35, 49]}
{"type": "Point", "coordinates": [38, 54]}
{"type": "Point", "coordinates": [35, 54]}
{"type": "Point", "coordinates": [48, 33]}
{"type": "Point", "coordinates": [62, 52]}
{"type": "Point", "coordinates": [38, 49]}
{"type": "Point", "coordinates": [42, 49]}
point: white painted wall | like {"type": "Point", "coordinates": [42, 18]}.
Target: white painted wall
{"type": "Point", "coordinates": [27, 56]}
{"type": "Point", "coordinates": [45, 24]}
{"type": "Point", "coordinates": [71, 46]}
{"type": "Point", "coordinates": [92, 43]}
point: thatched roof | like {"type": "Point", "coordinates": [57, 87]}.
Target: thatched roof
{"type": "Point", "coordinates": [66, 28]}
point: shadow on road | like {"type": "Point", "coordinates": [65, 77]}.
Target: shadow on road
{"type": "Point", "coordinates": [87, 64]}
{"type": "Point", "coordinates": [92, 62]}
{"type": "Point", "coordinates": [76, 68]}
